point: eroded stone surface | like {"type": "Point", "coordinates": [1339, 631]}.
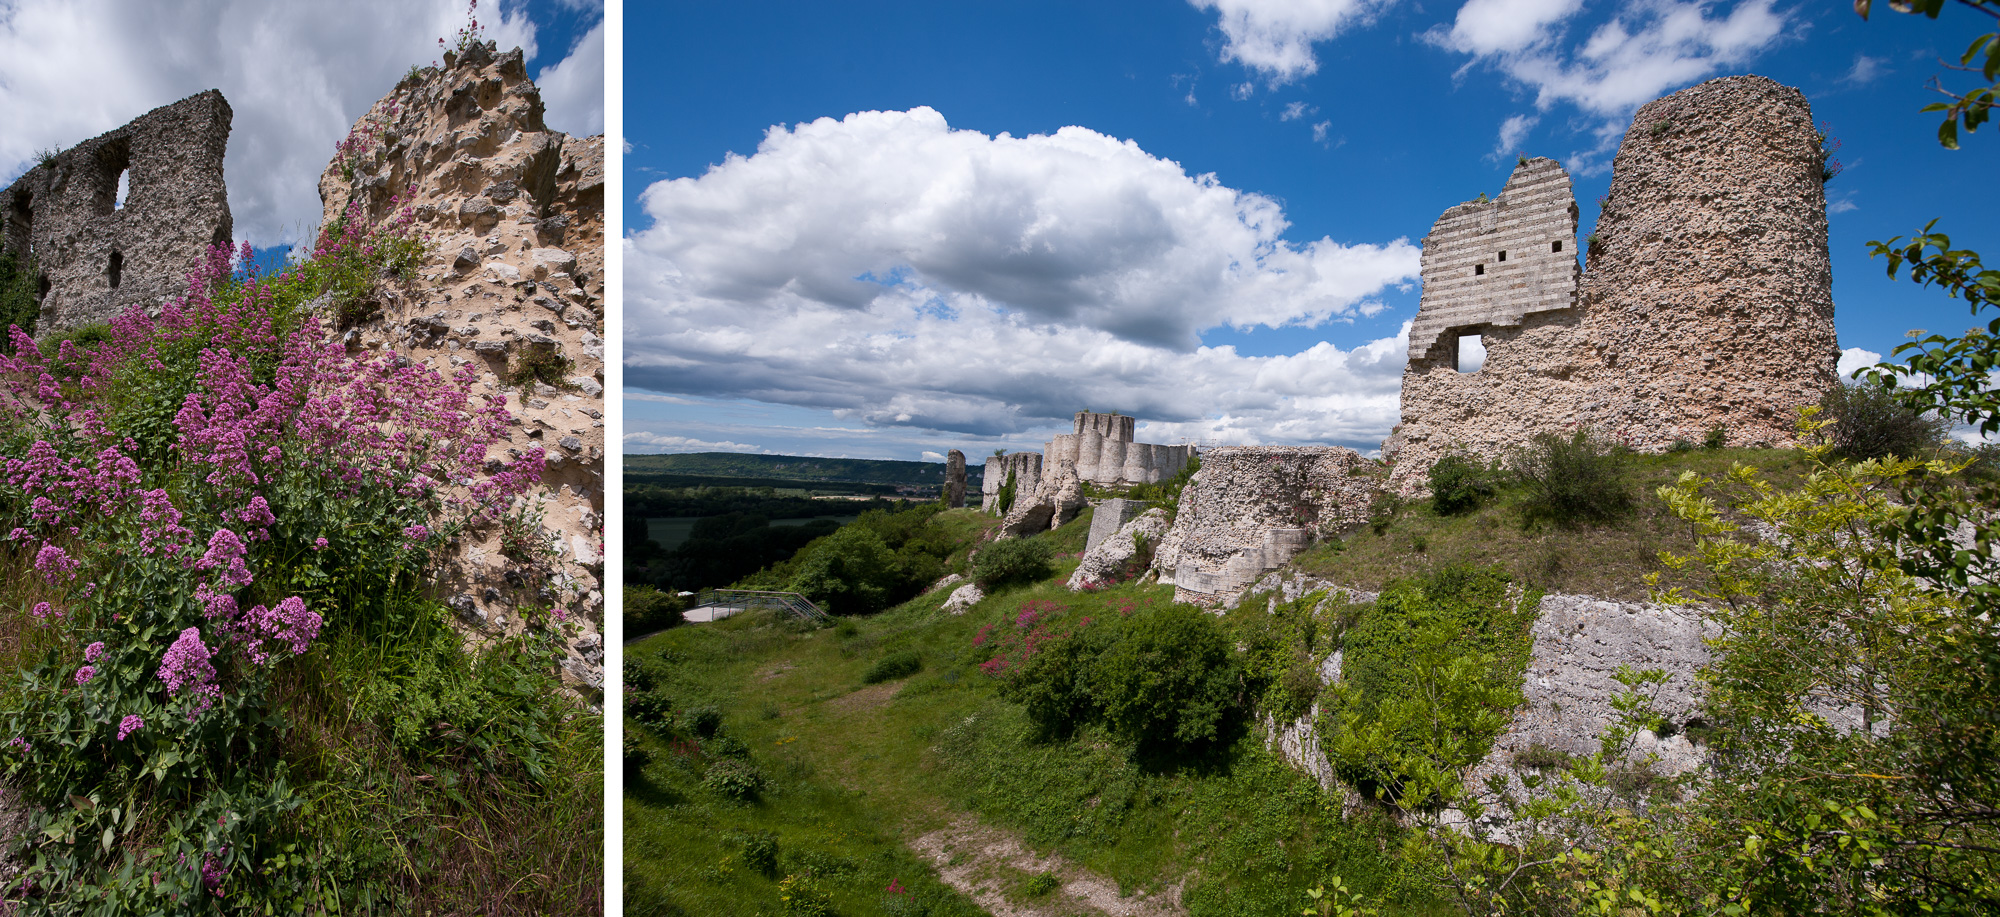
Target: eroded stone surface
{"type": "Point", "coordinates": [1707, 303]}
{"type": "Point", "coordinates": [954, 479]}
{"type": "Point", "coordinates": [513, 214]}
{"type": "Point", "coordinates": [1102, 561]}
{"type": "Point", "coordinates": [1250, 509]}
{"type": "Point", "coordinates": [99, 257]}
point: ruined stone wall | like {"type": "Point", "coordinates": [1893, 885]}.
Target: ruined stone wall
{"type": "Point", "coordinates": [97, 257]}
{"type": "Point", "coordinates": [513, 214]}
{"type": "Point", "coordinates": [1250, 509]}
{"type": "Point", "coordinates": [1026, 468]}
{"type": "Point", "coordinates": [1102, 450]}
{"type": "Point", "coordinates": [1707, 302]}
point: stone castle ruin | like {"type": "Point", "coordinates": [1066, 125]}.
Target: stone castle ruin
{"type": "Point", "coordinates": [1048, 486]}
{"type": "Point", "coordinates": [1706, 304]}
{"type": "Point", "coordinates": [118, 220]}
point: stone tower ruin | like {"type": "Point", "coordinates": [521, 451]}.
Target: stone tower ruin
{"type": "Point", "coordinates": [120, 219]}
{"type": "Point", "coordinates": [1706, 304]}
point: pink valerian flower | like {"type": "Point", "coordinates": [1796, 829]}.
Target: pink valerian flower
{"type": "Point", "coordinates": [162, 529]}
{"type": "Point", "coordinates": [319, 544]}
{"type": "Point", "coordinates": [55, 564]}
{"type": "Point", "coordinates": [258, 514]}
{"type": "Point", "coordinates": [93, 651]}
{"type": "Point", "coordinates": [212, 873]}
{"type": "Point", "coordinates": [186, 670]}
{"type": "Point", "coordinates": [130, 724]}
{"type": "Point", "coordinates": [559, 614]}
{"type": "Point", "coordinates": [21, 745]}
{"type": "Point", "coordinates": [85, 674]}
{"type": "Point", "coordinates": [289, 623]}
{"type": "Point", "coordinates": [226, 550]}
{"type": "Point", "coordinates": [417, 533]}
{"type": "Point", "coordinates": [216, 606]}
{"type": "Point", "coordinates": [43, 610]}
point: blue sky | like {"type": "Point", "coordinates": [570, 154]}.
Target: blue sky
{"type": "Point", "coordinates": [1111, 206]}
{"type": "Point", "coordinates": [297, 73]}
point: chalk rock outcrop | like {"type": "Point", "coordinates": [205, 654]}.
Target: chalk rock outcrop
{"type": "Point", "coordinates": [1057, 498]}
{"type": "Point", "coordinates": [962, 598]}
{"type": "Point", "coordinates": [1103, 562]}
{"type": "Point", "coordinates": [1250, 509]}
{"type": "Point", "coordinates": [98, 253]}
{"type": "Point", "coordinates": [1707, 301]}
{"type": "Point", "coordinates": [514, 216]}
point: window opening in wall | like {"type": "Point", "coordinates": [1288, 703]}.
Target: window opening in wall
{"type": "Point", "coordinates": [124, 188]}
{"type": "Point", "coordinates": [1478, 269]}
{"type": "Point", "coordinates": [1471, 353]}
{"type": "Point", "coordinates": [109, 180]}
{"type": "Point", "coordinates": [117, 269]}
{"type": "Point", "coordinates": [42, 288]}
{"type": "Point", "coordinates": [1556, 246]}
{"type": "Point", "coordinates": [1503, 256]}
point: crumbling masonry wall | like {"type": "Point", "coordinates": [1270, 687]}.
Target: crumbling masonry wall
{"type": "Point", "coordinates": [1251, 509]}
{"type": "Point", "coordinates": [1026, 467]}
{"type": "Point", "coordinates": [98, 256]}
{"type": "Point", "coordinates": [1707, 301]}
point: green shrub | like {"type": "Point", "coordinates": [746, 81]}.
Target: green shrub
{"type": "Point", "coordinates": [1042, 884]}
{"type": "Point", "coordinates": [1716, 437]}
{"type": "Point", "coordinates": [1170, 681]}
{"type": "Point", "coordinates": [705, 721]}
{"type": "Point", "coordinates": [1430, 677]}
{"type": "Point", "coordinates": [1016, 560]}
{"type": "Point", "coordinates": [1458, 484]}
{"type": "Point", "coordinates": [1004, 500]}
{"type": "Point", "coordinates": [542, 363]}
{"type": "Point", "coordinates": [760, 853]}
{"type": "Point", "coordinates": [1053, 683]}
{"type": "Point", "coordinates": [1572, 480]}
{"type": "Point", "coordinates": [894, 665]}
{"type": "Point", "coordinates": [735, 779]}
{"type": "Point", "coordinates": [1871, 422]}
{"type": "Point", "coordinates": [20, 298]}
{"type": "Point", "coordinates": [648, 609]}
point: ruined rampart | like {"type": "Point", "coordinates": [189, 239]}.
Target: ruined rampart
{"type": "Point", "coordinates": [1025, 469]}
{"type": "Point", "coordinates": [120, 219]}
{"type": "Point", "coordinates": [1250, 509]}
{"type": "Point", "coordinates": [1707, 301]}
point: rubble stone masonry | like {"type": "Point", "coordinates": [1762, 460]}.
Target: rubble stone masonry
{"type": "Point", "coordinates": [1707, 299]}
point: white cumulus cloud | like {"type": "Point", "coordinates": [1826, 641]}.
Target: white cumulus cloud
{"type": "Point", "coordinates": [642, 441]}
{"type": "Point", "coordinates": [1275, 37]}
{"type": "Point", "coordinates": [899, 273]}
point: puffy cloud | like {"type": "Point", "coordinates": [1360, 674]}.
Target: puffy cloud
{"type": "Point", "coordinates": [1512, 132]}
{"type": "Point", "coordinates": [901, 274]}
{"type": "Point", "coordinates": [1854, 358]}
{"type": "Point", "coordinates": [573, 88]}
{"type": "Point", "coordinates": [1072, 228]}
{"type": "Point", "coordinates": [1646, 49]}
{"type": "Point", "coordinates": [1275, 37]}
{"type": "Point", "coordinates": [296, 74]}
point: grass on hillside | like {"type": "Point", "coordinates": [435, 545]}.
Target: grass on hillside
{"type": "Point", "coordinates": [1609, 561]}
{"type": "Point", "coordinates": [852, 773]}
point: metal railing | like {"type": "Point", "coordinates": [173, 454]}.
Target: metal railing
{"type": "Point", "coordinates": [791, 603]}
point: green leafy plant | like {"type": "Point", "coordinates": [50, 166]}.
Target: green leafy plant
{"type": "Point", "coordinates": [1014, 561]}
{"type": "Point", "coordinates": [542, 363]}
{"type": "Point", "coordinates": [1868, 421]}
{"type": "Point", "coordinates": [895, 665]}
{"type": "Point", "coordinates": [1458, 484]}
{"type": "Point", "coordinates": [1571, 480]}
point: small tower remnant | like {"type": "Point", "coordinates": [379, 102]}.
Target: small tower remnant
{"type": "Point", "coordinates": [954, 479]}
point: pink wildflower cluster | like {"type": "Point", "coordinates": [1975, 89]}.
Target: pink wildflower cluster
{"type": "Point", "coordinates": [130, 724]}
{"type": "Point", "coordinates": [212, 874]}
{"type": "Point", "coordinates": [187, 671]}
{"type": "Point", "coordinates": [1034, 628]}
{"type": "Point", "coordinates": [55, 565]}
{"type": "Point", "coordinates": [21, 745]}
{"type": "Point", "coordinates": [161, 528]}
{"type": "Point", "coordinates": [289, 623]}
{"type": "Point", "coordinates": [85, 674]}
{"type": "Point", "coordinates": [226, 550]}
